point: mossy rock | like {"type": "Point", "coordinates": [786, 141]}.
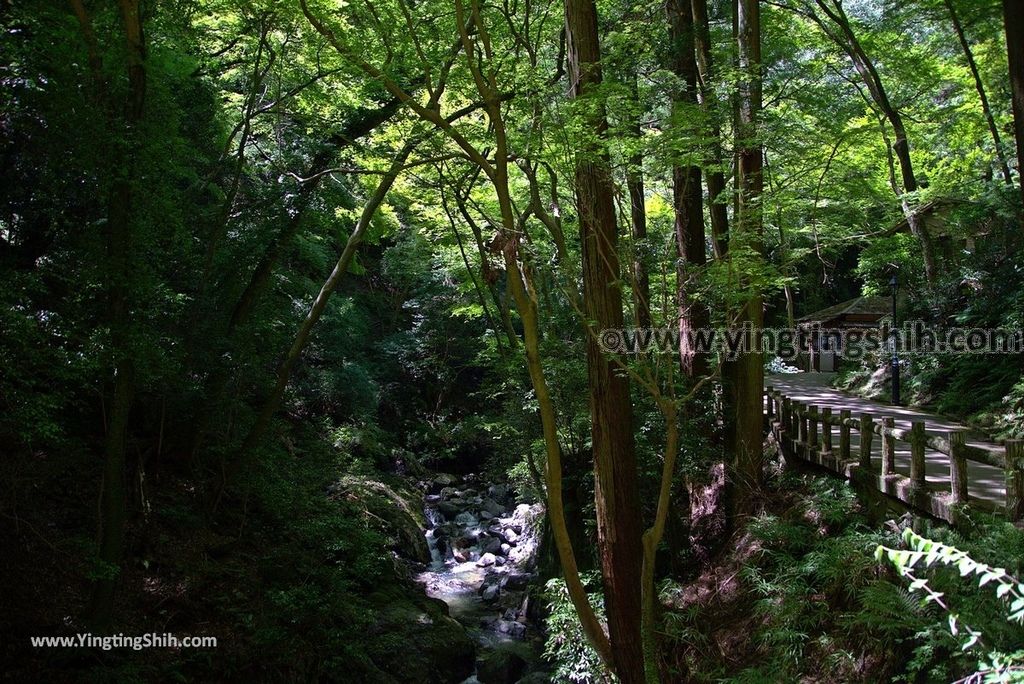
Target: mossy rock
{"type": "Point", "coordinates": [415, 640]}
{"type": "Point", "coordinates": [397, 506]}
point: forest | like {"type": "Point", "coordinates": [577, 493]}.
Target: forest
{"type": "Point", "coordinates": [361, 341]}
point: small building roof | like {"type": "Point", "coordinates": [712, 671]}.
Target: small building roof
{"type": "Point", "coordinates": [863, 308]}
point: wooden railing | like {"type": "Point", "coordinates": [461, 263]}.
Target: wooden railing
{"type": "Point", "coordinates": [807, 431]}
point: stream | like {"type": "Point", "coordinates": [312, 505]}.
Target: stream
{"type": "Point", "coordinates": [483, 548]}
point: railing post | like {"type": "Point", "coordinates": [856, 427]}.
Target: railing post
{"type": "Point", "coordinates": [917, 446]}
{"type": "Point", "coordinates": [801, 422]}
{"type": "Point", "coordinates": [768, 403]}
{"type": "Point", "coordinates": [1014, 479]}
{"type": "Point", "coordinates": [957, 466]}
{"type": "Point", "coordinates": [866, 435]}
{"type": "Point", "coordinates": [844, 435]}
{"type": "Point", "coordinates": [812, 436]}
{"type": "Point", "coordinates": [787, 417]}
{"type": "Point", "coordinates": [796, 421]}
{"type": "Point", "coordinates": [826, 430]}
{"type": "Point", "coordinates": [888, 447]}
{"type": "Point", "coordinates": [918, 442]}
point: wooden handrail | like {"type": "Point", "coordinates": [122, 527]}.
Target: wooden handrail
{"type": "Point", "coordinates": [798, 424]}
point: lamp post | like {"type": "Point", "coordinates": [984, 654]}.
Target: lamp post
{"type": "Point", "coordinates": [895, 285]}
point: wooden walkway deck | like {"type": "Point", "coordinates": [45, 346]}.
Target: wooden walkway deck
{"type": "Point", "coordinates": [937, 473]}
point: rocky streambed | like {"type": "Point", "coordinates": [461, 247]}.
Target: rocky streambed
{"type": "Point", "coordinates": [483, 546]}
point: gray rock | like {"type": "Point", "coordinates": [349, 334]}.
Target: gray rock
{"type": "Point", "coordinates": [516, 630]}
{"type": "Point", "coordinates": [486, 560]}
{"type": "Point", "coordinates": [466, 518]}
{"type": "Point", "coordinates": [498, 492]}
{"type": "Point", "coordinates": [486, 515]}
{"type": "Point", "coordinates": [490, 592]}
{"type": "Point", "coordinates": [448, 509]}
{"type": "Point", "coordinates": [492, 506]}
{"type": "Point", "coordinates": [445, 479]}
{"type": "Point", "coordinates": [505, 548]}
{"type": "Point", "coordinates": [490, 545]}
{"type": "Point", "coordinates": [517, 580]}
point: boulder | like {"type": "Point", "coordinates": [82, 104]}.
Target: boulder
{"type": "Point", "coordinates": [435, 648]}
{"type": "Point", "coordinates": [448, 509]}
{"type": "Point", "coordinates": [490, 545]}
{"type": "Point", "coordinates": [445, 480]}
{"type": "Point", "coordinates": [486, 560]}
{"type": "Point", "coordinates": [500, 666]}
{"type": "Point", "coordinates": [465, 518]}
{"type": "Point", "coordinates": [498, 492]}
{"type": "Point", "coordinates": [492, 506]}
{"type": "Point", "coordinates": [511, 628]}
{"type": "Point", "coordinates": [516, 580]}
{"type": "Point", "coordinates": [394, 504]}
{"type": "Point", "coordinates": [490, 592]}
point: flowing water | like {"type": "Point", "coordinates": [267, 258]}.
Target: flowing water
{"type": "Point", "coordinates": [483, 549]}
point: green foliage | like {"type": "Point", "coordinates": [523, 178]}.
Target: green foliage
{"type": "Point", "coordinates": [567, 646]}
{"type": "Point", "coordinates": [927, 553]}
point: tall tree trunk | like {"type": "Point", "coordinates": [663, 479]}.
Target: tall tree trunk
{"type": "Point", "coordinates": [519, 280]}
{"type": "Point", "coordinates": [980, 87]}
{"type": "Point", "coordinates": [615, 474]}
{"type": "Point", "coordinates": [718, 209]}
{"type": "Point", "coordinates": [1013, 19]}
{"type": "Point", "coordinates": [638, 224]}
{"type": "Point", "coordinates": [848, 41]}
{"type": "Point", "coordinates": [113, 500]}
{"type": "Point", "coordinates": [748, 370]}
{"type": "Point", "coordinates": [686, 192]}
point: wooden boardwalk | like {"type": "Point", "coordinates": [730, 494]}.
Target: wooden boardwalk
{"type": "Point", "coordinates": [945, 473]}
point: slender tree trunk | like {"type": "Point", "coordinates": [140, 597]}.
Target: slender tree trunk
{"type": "Point", "coordinates": [718, 209]}
{"type": "Point", "coordinates": [360, 127]}
{"type": "Point", "coordinates": [519, 283]}
{"type": "Point", "coordinates": [980, 87]}
{"type": "Point", "coordinates": [479, 292]}
{"type": "Point", "coordinates": [217, 381]}
{"type": "Point", "coordinates": [748, 369]}
{"type": "Point", "coordinates": [113, 500]}
{"type": "Point", "coordinates": [638, 225]}
{"type": "Point", "coordinates": [686, 193]}
{"type": "Point", "coordinates": [486, 271]}
{"type": "Point", "coordinates": [652, 537]}
{"type": "Point", "coordinates": [847, 40]}
{"type": "Point", "coordinates": [1013, 19]}
{"type": "Point", "coordinates": [615, 475]}
{"type": "Point", "coordinates": [284, 371]}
